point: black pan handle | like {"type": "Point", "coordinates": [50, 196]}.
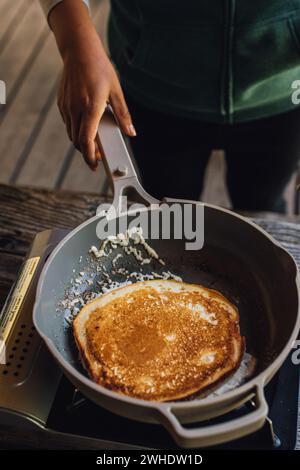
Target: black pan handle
{"type": "Point", "coordinates": [117, 161]}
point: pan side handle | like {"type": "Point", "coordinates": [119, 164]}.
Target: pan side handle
{"type": "Point", "coordinates": [117, 162]}
{"type": "Point", "coordinates": [217, 433]}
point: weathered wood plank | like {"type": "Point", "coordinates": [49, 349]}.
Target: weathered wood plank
{"type": "Point", "coordinates": [80, 178]}
{"type": "Point", "coordinates": [11, 14]}
{"type": "Point", "coordinates": [19, 122]}
{"type": "Point", "coordinates": [214, 181]}
{"type": "Point", "coordinates": [25, 211]}
{"type": "Point", "coordinates": [48, 153]}
{"type": "Point", "coordinates": [20, 53]}
{"type": "Point", "coordinates": [5, 7]}
{"type": "Point", "coordinates": [289, 195]}
{"type": "Point", "coordinates": [8, 10]}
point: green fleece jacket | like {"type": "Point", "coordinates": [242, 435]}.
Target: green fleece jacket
{"type": "Point", "coordinates": [215, 60]}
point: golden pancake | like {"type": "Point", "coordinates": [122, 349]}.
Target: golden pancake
{"type": "Point", "coordinates": [160, 340]}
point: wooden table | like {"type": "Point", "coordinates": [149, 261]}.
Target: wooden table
{"type": "Point", "coordinates": [24, 212]}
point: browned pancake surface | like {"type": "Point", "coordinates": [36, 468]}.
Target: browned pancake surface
{"type": "Point", "coordinates": [162, 344]}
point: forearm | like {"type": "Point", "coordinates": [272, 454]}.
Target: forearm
{"type": "Point", "coordinates": [72, 26]}
{"type": "Point", "coordinates": [89, 79]}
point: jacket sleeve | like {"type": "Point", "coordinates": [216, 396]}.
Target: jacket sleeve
{"type": "Point", "coordinates": [47, 5]}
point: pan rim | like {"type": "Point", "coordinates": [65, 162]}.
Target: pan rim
{"type": "Point", "coordinates": [257, 381]}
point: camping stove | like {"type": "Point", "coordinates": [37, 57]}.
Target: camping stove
{"type": "Point", "coordinates": [40, 408]}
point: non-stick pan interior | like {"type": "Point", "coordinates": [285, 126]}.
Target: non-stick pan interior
{"type": "Point", "coordinates": [237, 259]}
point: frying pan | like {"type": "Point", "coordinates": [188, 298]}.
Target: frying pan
{"type": "Point", "coordinates": [238, 258]}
